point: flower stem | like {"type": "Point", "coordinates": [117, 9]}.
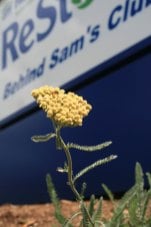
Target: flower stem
{"type": "Point", "coordinates": [61, 145]}
{"type": "Point", "coordinates": [70, 172]}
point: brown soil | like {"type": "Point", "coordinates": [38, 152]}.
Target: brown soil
{"type": "Point", "coordinates": [41, 215]}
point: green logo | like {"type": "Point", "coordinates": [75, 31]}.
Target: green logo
{"type": "Point", "coordinates": [82, 4]}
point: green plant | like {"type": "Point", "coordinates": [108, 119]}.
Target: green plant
{"type": "Point", "coordinates": [68, 110]}
{"type": "Point", "coordinates": [132, 208]}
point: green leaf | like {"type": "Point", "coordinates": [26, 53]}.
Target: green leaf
{"type": "Point", "coordinates": [93, 165]}
{"type": "Point", "coordinates": [86, 218]}
{"type": "Point", "coordinates": [118, 213]}
{"type": "Point", "coordinates": [97, 214]}
{"type": "Point", "coordinates": [135, 201]}
{"type": "Point", "coordinates": [132, 208]}
{"type": "Point", "coordinates": [89, 148]}
{"type": "Point", "coordinates": [141, 193]}
{"type": "Point", "coordinates": [43, 138]}
{"type": "Point", "coordinates": [84, 186]}
{"type": "Point", "coordinates": [139, 179]}
{"type": "Point", "coordinates": [149, 179]}
{"type": "Point", "coordinates": [55, 200]}
{"type": "Point", "coordinates": [91, 205]}
{"type": "Point", "coordinates": [108, 192]}
{"type": "Point", "coordinates": [145, 203]}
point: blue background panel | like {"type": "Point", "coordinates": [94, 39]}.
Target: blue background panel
{"type": "Point", "coordinates": [121, 113]}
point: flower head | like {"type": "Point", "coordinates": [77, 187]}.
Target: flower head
{"type": "Point", "coordinates": [65, 109]}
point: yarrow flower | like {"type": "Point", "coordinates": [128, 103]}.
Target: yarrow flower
{"type": "Point", "coordinates": [65, 109]}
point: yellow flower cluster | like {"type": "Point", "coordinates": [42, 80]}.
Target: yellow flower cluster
{"type": "Point", "coordinates": [66, 109]}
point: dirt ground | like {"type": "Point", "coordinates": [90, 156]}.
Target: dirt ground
{"type": "Point", "coordinates": [40, 215]}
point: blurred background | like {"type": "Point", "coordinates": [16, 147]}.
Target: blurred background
{"type": "Point", "coordinates": [99, 50]}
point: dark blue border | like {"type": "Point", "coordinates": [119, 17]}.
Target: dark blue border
{"type": "Point", "coordinates": [134, 52]}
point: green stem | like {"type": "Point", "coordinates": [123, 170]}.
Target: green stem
{"type": "Point", "coordinates": [61, 145]}
{"type": "Point", "coordinates": [70, 172]}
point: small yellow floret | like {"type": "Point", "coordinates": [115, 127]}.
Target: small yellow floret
{"type": "Point", "coordinates": [65, 109]}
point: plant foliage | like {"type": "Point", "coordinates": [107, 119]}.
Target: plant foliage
{"type": "Point", "coordinates": [132, 208]}
{"type": "Point", "coordinates": [131, 211]}
{"type": "Point", "coordinates": [68, 110]}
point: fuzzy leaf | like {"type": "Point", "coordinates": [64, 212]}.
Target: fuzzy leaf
{"type": "Point", "coordinates": [89, 148]}
{"type": "Point", "coordinates": [108, 192]}
{"type": "Point", "coordinates": [141, 193]}
{"type": "Point", "coordinates": [54, 199]}
{"type": "Point", "coordinates": [95, 164]}
{"type": "Point", "coordinates": [149, 179]}
{"type": "Point", "coordinates": [91, 205]}
{"type": "Point", "coordinates": [43, 138]}
{"type": "Point", "coordinates": [84, 186]}
{"type": "Point", "coordinates": [145, 204]}
{"type": "Point", "coordinates": [118, 213]}
{"type": "Point", "coordinates": [97, 214]}
{"type": "Point", "coordinates": [86, 218]}
{"type": "Point", "coordinates": [132, 208]}
{"type": "Point", "coordinates": [139, 180]}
